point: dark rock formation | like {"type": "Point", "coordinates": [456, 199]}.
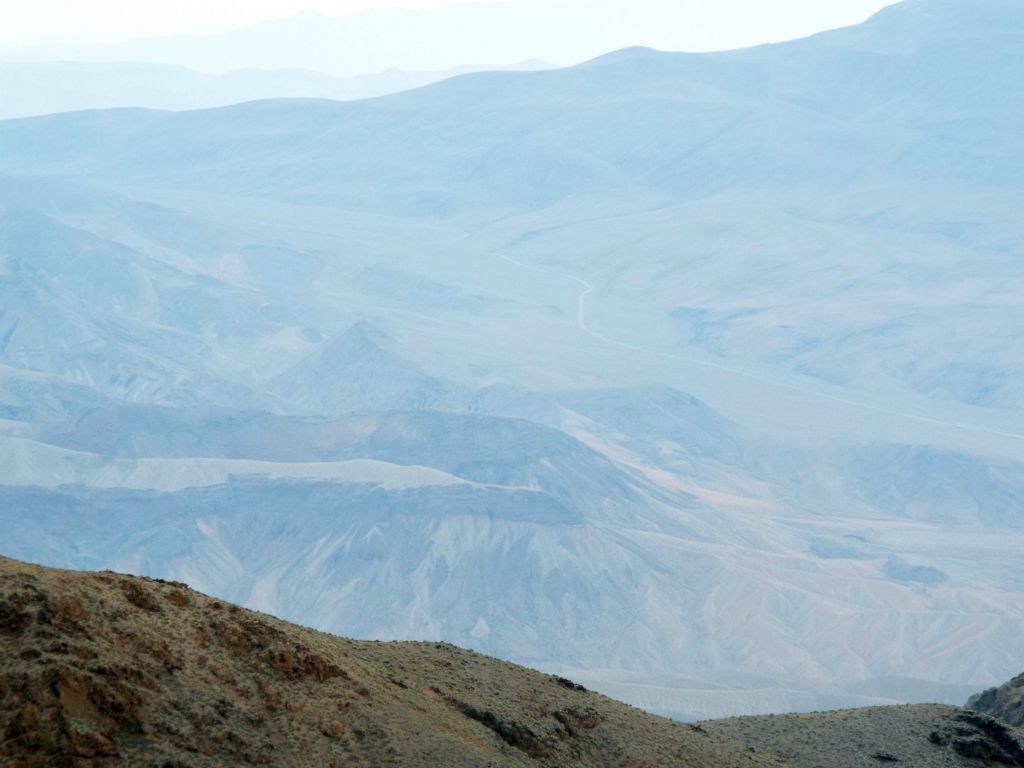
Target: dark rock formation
{"type": "Point", "coordinates": [1005, 702]}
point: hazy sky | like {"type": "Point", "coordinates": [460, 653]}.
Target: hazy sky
{"type": "Point", "coordinates": [711, 23]}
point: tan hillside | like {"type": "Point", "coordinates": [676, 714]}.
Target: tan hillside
{"type": "Point", "coordinates": [103, 669]}
{"type": "Point", "coordinates": [920, 736]}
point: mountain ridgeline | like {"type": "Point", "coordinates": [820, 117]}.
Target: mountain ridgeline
{"type": "Point", "coordinates": [43, 88]}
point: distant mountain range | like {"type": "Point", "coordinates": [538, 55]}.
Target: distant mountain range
{"type": "Point", "coordinates": [442, 38]}
{"type": "Point", "coordinates": [42, 88]}
{"type": "Point", "coordinates": [695, 378]}
{"type": "Point", "coordinates": [101, 667]}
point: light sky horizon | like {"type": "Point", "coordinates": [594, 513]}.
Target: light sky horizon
{"type": "Point", "coordinates": [702, 24]}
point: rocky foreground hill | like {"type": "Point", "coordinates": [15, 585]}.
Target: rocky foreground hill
{"type": "Point", "coordinates": [101, 669]}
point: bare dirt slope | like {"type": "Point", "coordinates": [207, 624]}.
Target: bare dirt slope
{"type": "Point", "coordinates": [920, 736]}
{"type": "Point", "coordinates": [103, 669]}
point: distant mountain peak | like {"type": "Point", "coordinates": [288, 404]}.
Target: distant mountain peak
{"type": "Point", "coordinates": [360, 339]}
{"type": "Point", "coordinates": [633, 53]}
{"type": "Point", "coordinates": [969, 13]}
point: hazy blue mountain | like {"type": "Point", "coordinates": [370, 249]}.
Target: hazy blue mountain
{"type": "Point", "coordinates": [40, 88]}
{"type": "Point", "coordinates": [642, 125]}
{"type": "Point", "coordinates": [355, 371]}
{"type": "Point", "coordinates": [695, 377]}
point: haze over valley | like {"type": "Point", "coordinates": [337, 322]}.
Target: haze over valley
{"type": "Point", "coordinates": [695, 377]}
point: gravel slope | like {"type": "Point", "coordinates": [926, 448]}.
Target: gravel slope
{"type": "Point", "coordinates": [918, 736]}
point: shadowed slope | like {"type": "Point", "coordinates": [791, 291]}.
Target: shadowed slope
{"type": "Point", "coordinates": [1005, 702]}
